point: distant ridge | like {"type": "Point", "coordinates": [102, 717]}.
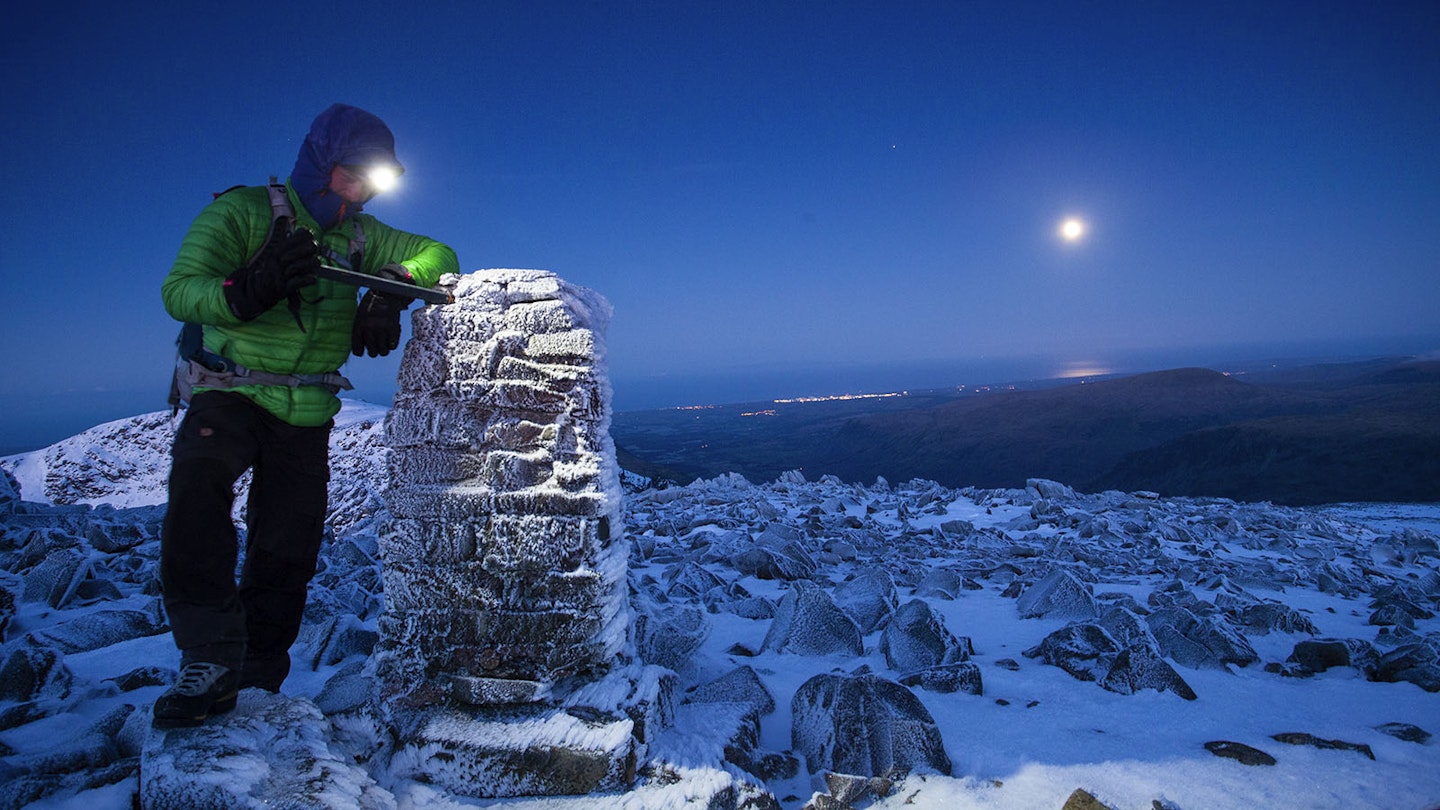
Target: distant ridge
{"type": "Point", "coordinates": [1073, 433]}
{"type": "Point", "coordinates": [1363, 432]}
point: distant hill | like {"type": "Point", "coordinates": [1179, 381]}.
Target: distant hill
{"type": "Point", "coordinates": [1336, 433]}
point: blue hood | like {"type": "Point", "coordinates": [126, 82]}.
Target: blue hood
{"type": "Point", "coordinates": [341, 136]}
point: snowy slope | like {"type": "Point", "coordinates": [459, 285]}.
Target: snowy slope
{"type": "Point", "coordinates": [82, 582]}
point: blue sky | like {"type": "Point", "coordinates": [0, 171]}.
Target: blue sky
{"type": "Point", "coordinates": [756, 186]}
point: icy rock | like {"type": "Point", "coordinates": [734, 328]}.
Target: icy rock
{"type": "Point", "coordinates": [1275, 617]}
{"type": "Point", "coordinates": [940, 584]}
{"type": "Point", "coordinates": [91, 631]}
{"type": "Point", "coordinates": [1061, 595]}
{"type": "Point", "coordinates": [348, 690]}
{"type": "Point", "coordinates": [1199, 643]}
{"type": "Point", "coordinates": [99, 755]}
{"type": "Point", "coordinates": [916, 638]}
{"type": "Point", "coordinates": [807, 622]}
{"type": "Point", "coordinates": [1139, 667]}
{"type": "Point", "coordinates": [488, 752]}
{"type": "Point", "coordinates": [1320, 654]}
{"type": "Point", "coordinates": [671, 634]}
{"type": "Point", "coordinates": [1405, 731]}
{"type": "Point", "coordinates": [870, 598]}
{"type": "Point", "coordinates": [1303, 738]}
{"type": "Point", "coordinates": [739, 685]}
{"type": "Point", "coordinates": [1050, 490]}
{"type": "Point", "coordinates": [864, 725]}
{"type": "Point", "coordinates": [1089, 652]}
{"type": "Point", "coordinates": [1240, 752]}
{"type": "Point", "coordinates": [785, 560]}
{"type": "Point", "coordinates": [692, 579]}
{"type": "Point", "coordinates": [1417, 663]}
{"type": "Point", "coordinates": [962, 677]}
{"type": "Point", "coordinates": [32, 670]}
{"type": "Point", "coordinates": [1083, 649]}
{"type": "Point", "coordinates": [271, 751]}
{"type": "Point", "coordinates": [55, 580]}
{"type": "Point", "coordinates": [7, 612]}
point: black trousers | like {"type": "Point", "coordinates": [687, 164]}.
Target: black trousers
{"type": "Point", "coordinates": [251, 625]}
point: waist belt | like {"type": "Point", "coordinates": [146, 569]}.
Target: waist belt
{"type": "Point", "coordinates": [228, 374]}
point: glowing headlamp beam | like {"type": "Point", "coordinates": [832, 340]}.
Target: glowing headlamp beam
{"type": "Point", "coordinates": [381, 178]}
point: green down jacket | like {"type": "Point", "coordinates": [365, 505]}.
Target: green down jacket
{"type": "Point", "coordinates": [224, 236]}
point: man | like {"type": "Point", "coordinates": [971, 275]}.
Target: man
{"type": "Point", "coordinates": [263, 309]}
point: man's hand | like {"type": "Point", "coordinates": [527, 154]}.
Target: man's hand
{"type": "Point", "coordinates": [377, 320]}
{"type": "Point", "coordinates": [278, 272]}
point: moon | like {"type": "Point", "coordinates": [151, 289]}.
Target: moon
{"type": "Point", "coordinates": [1072, 229]}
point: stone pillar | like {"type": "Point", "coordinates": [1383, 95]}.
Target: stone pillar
{"type": "Point", "coordinates": [505, 556]}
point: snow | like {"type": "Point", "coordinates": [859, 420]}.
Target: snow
{"type": "Point", "coordinates": [1033, 737]}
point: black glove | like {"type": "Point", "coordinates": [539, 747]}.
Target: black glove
{"type": "Point", "coordinates": [377, 321]}
{"type": "Point", "coordinates": [281, 269]}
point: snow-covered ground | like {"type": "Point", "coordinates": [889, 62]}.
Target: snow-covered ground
{"type": "Point", "coordinates": [1032, 737]}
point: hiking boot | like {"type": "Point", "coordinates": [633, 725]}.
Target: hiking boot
{"type": "Point", "coordinates": [203, 689]}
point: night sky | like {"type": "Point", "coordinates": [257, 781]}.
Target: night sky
{"type": "Point", "coordinates": [755, 186]}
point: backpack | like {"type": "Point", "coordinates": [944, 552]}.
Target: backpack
{"type": "Point", "coordinates": [195, 366]}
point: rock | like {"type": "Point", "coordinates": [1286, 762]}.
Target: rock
{"type": "Point", "coordinates": [1417, 663]}
{"type": "Point", "coordinates": [274, 751]}
{"type": "Point", "coordinates": [1084, 649]}
{"type": "Point", "coordinates": [940, 583]}
{"type": "Point", "coordinates": [670, 635]}
{"type": "Point", "coordinates": [807, 622]}
{"type": "Point", "coordinates": [870, 598]}
{"type": "Point", "coordinates": [916, 638]}
{"type": "Point", "coordinates": [1050, 490]}
{"type": "Point", "coordinates": [1059, 595]}
{"type": "Point", "coordinates": [1406, 732]}
{"type": "Point", "coordinates": [947, 678]}
{"type": "Point", "coordinates": [55, 580]}
{"type": "Point", "coordinates": [1090, 653]}
{"type": "Point", "coordinates": [1301, 738]}
{"type": "Point", "coordinates": [32, 670]}
{"type": "Point", "coordinates": [739, 685]}
{"type": "Point", "coordinates": [1199, 643]}
{"type": "Point", "coordinates": [1139, 667]}
{"type": "Point", "coordinates": [1320, 654]}
{"type": "Point", "coordinates": [101, 628]}
{"type": "Point", "coordinates": [864, 725]}
{"type": "Point", "coordinates": [1239, 752]}
{"type": "Point", "coordinates": [1083, 800]}
{"type": "Point", "coordinates": [1275, 617]}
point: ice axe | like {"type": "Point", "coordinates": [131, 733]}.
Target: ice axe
{"type": "Point", "coordinates": [385, 285]}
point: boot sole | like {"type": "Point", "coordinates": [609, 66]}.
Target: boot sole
{"type": "Point", "coordinates": [222, 706]}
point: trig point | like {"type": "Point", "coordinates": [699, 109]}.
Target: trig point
{"type": "Point", "coordinates": [505, 663]}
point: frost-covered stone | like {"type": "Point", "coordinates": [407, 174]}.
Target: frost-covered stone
{"type": "Point", "coordinates": [1060, 595]}
{"type": "Point", "coordinates": [960, 677]}
{"type": "Point", "coordinates": [1320, 654]}
{"type": "Point", "coordinates": [864, 725]}
{"type": "Point", "coordinates": [739, 685]}
{"type": "Point", "coordinates": [870, 598]}
{"type": "Point", "coordinates": [916, 638]}
{"type": "Point", "coordinates": [271, 751]}
{"type": "Point", "coordinates": [807, 622]}
{"type": "Point", "coordinates": [1090, 652]}
{"type": "Point", "coordinates": [102, 628]}
{"type": "Point", "coordinates": [1199, 643]}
